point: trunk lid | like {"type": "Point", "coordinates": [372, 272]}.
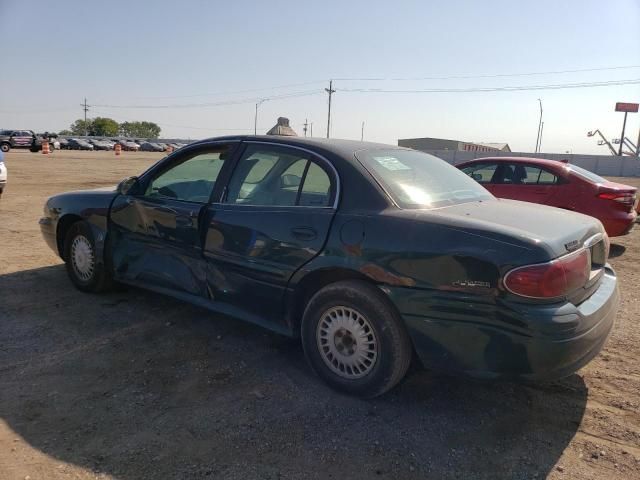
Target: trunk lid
{"type": "Point", "coordinates": [561, 231]}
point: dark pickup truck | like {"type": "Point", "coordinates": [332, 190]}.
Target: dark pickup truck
{"type": "Point", "coordinates": [20, 139]}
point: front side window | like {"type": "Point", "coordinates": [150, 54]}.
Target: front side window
{"type": "Point", "coordinates": [419, 180]}
{"type": "Point", "coordinates": [277, 176]}
{"type": "Point", "coordinates": [192, 179]}
{"type": "Point", "coordinates": [481, 173]}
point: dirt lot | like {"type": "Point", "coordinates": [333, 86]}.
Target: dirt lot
{"type": "Point", "coordinates": [133, 385]}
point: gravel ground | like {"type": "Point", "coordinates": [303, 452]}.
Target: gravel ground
{"type": "Point", "coordinates": [132, 385]}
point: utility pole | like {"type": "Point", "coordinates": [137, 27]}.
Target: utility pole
{"type": "Point", "coordinates": [311, 127]}
{"type": "Point", "coordinates": [304, 127]}
{"type": "Point", "coordinates": [362, 133]}
{"type": "Point", "coordinates": [85, 107]}
{"type": "Point", "coordinates": [540, 145]}
{"type": "Point", "coordinates": [539, 128]}
{"type": "Point", "coordinates": [330, 91]}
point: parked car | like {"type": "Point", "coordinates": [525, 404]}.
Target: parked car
{"type": "Point", "coordinates": [78, 144]}
{"type": "Point", "coordinates": [19, 139]}
{"type": "Point", "coordinates": [129, 146]}
{"type": "Point", "coordinates": [150, 147]}
{"type": "Point", "coordinates": [64, 143]}
{"type": "Point", "coordinates": [558, 184]}
{"type": "Point", "coordinates": [100, 144]}
{"type": "Point", "coordinates": [3, 173]}
{"type": "Point", "coordinates": [365, 251]}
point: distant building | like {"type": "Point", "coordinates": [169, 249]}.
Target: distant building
{"type": "Point", "coordinates": [282, 128]}
{"type": "Point", "coordinates": [427, 144]}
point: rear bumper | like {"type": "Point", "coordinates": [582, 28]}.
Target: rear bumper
{"type": "Point", "coordinates": [620, 225]}
{"type": "Point", "coordinates": [480, 338]}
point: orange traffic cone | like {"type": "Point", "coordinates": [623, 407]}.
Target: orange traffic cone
{"type": "Point", "coordinates": [117, 148]}
{"type": "Point", "coordinates": [45, 147]}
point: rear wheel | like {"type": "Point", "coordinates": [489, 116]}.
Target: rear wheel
{"type": "Point", "coordinates": [86, 273]}
{"type": "Point", "coordinates": [354, 339]}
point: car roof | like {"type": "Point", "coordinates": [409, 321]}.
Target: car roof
{"type": "Point", "coordinates": [539, 161]}
{"type": "Point", "coordinates": [341, 147]}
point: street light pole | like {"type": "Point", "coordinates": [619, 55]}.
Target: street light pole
{"type": "Point", "coordinates": [255, 119]}
{"type": "Point", "coordinates": [540, 145]}
{"type": "Point", "coordinates": [538, 138]}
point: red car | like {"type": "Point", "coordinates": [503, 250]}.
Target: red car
{"type": "Point", "coordinates": [557, 184]}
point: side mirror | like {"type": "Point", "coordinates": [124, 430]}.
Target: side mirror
{"type": "Point", "coordinates": [289, 180]}
{"type": "Point", "coordinates": [129, 186]}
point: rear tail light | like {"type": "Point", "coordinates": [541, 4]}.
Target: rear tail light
{"type": "Point", "coordinates": [626, 198]}
{"type": "Point", "coordinates": [553, 279]}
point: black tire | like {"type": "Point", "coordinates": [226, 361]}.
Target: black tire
{"type": "Point", "coordinates": [387, 332]}
{"type": "Point", "coordinates": [5, 147]}
{"type": "Point", "coordinates": [99, 279]}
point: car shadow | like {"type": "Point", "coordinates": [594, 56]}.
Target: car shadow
{"type": "Point", "coordinates": [136, 385]}
{"type": "Point", "coordinates": [615, 250]}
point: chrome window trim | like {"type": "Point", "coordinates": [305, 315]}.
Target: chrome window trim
{"type": "Point", "coordinates": [312, 153]}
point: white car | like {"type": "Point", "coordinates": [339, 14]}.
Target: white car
{"type": "Point", "coordinates": [3, 173]}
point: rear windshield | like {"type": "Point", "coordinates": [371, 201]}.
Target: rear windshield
{"type": "Point", "coordinates": [587, 174]}
{"type": "Point", "coordinates": [419, 180]}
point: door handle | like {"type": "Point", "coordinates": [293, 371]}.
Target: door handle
{"type": "Point", "coordinates": [304, 233]}
{"type": "Point", "coordinates": [184, 221]}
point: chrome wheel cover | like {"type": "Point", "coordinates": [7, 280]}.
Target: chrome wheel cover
{"type": "Point", "coordinates": [346, 342]}
{"type": "Point", "coordinates": [82, 258]}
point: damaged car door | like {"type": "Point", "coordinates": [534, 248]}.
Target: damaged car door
{"type": "Point", "coordinates": [156, 229]}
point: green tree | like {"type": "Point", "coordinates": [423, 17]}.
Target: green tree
{"type": "Point", "coordinates": [65, 132]}
{"type": "Point", "coordinates": [104, 127]}
{"type": "Point", "coordinates": [140, 129]}
{"type": "Point", "coordinates": [80, 127]}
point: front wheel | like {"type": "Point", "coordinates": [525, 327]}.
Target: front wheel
{"type": "Point", "coordinates": [5, 147]}
{"type": "Point", "coordinates": [83, 267]}
{"type": "Point", "coordinates": [354, 339]}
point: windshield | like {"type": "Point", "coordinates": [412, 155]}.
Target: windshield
{"type": "Point", "coordinates": [587, 174]}
{"type": "Point", "coordinates": [419, 180]}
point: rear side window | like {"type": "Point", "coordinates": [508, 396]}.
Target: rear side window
{"type": "Point", "coordinates": [521, 174]}
{"type": "Point", "coordinates": [586, 174]}
{"type": "Point", "coordinates": [268, 175]}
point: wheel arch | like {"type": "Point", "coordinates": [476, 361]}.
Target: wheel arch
{"type": "Point", "coordinates": [64, 224]}
{"type": "Point", "coordinates": [299, 296]}
{"type": "Point", "coordinates": [99, 235]}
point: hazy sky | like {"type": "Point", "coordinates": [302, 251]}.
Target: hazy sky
{"type": "Point", "coordinates": [174, 54]}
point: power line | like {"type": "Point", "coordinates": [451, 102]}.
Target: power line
{"type": "Point", "coordinates": [499, 89]}
{"type": "Point", "coordinates": [220, 103]}
{"type": "Point", "coordinates": [232, 92]}
{"type": "Point", "coordinates": [496, 75]}
{"type": "Point", "coordinates": [120, 119]}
